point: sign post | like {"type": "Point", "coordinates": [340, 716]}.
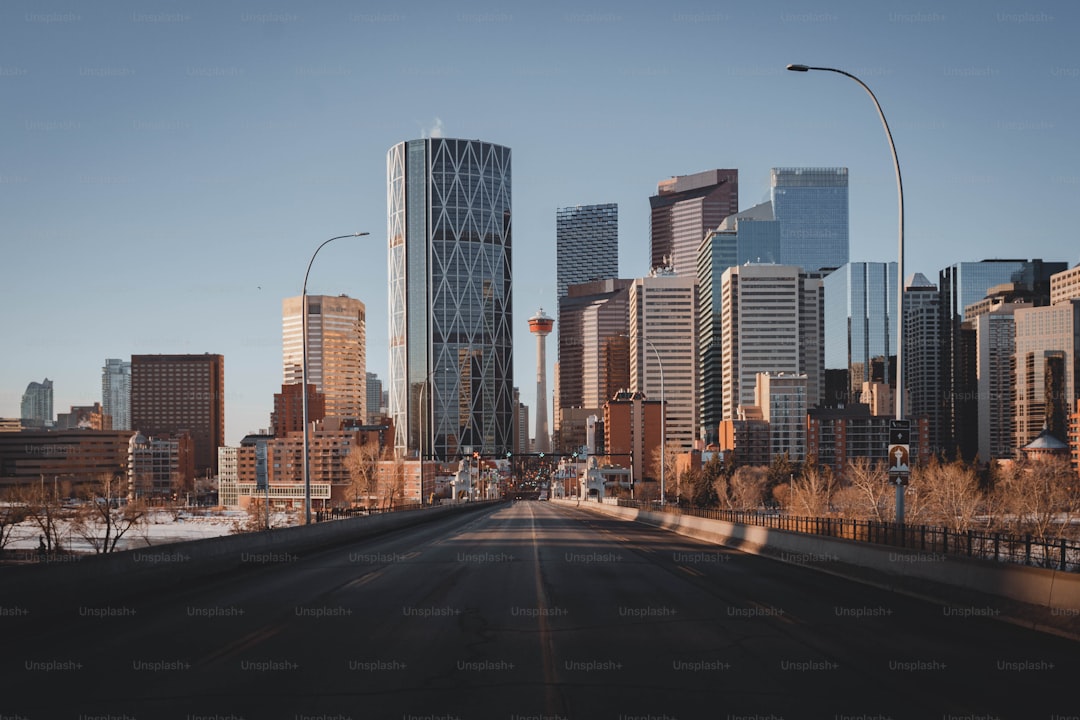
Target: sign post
{"type": "Point", "coordinates": [899, 452]}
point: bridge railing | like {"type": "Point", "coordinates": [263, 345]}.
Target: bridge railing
{"type": "Point", "coordinates": [1054, 553]}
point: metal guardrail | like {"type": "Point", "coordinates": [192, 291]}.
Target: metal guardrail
{"type": "Point", "coordinates": [1053, 553]}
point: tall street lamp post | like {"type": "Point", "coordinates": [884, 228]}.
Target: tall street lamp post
{"type": "Point", "coordinates": [303, 373]}
{"type": "Point", "coordinates": [899, 266]}
{"type": "Point", "coordinates": [423, 414]}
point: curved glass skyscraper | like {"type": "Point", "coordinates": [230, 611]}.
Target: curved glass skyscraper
{"type": "Point", "coordinates": [451, 302]}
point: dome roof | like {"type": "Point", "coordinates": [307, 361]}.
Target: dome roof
{"type": "Point", "coordinates": [1046, 441]}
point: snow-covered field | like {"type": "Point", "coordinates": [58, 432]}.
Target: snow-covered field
{"type": "Point", "coordinates": [160, 527]}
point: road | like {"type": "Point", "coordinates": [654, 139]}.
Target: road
{"type": "Point", "coordinates": [529, 610]}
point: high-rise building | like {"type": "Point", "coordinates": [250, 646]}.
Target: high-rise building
{"type": "Point", "coordinates": [375, 407]}
{"type": "Point", "coordinates": [37, 405]}
{"type": "Point", "coordinates": [586, 245]}
{"type": "Point", "coordinates": [995, 339]}
{"type": "Point", "coordinates": [781, 398]}
{"type": "Point", "coordinates": [1047, 369]}
{"type": "Point", "coordinates": [594, 319]}
{"type": "Point", "coordinates": [337, 351]}
{"type": "Point", "coordinates": [1065, 285]}
{"type": "Point", "coordinates": [811, 204]}
{"type": "Point", "coordinates": [663, 350]}
{"type": "Point", "coordinates": [84, 417]}
{"type": "Point", "coordinates": [684, 209]}
{"type": "Point", "coordinates": [170, 393]}
{"type": "Point", "coordinates": [116, 392]}
{"type": "Point", "coordinates": [750, 236]}
{"type": "Point", "coordinates": [922, 356]}
{"type": "Point", "coordinates": [860, 324]}
{"type": "Point", "coordinates": [961, 285]}
{"type": "Point", "coordinates": [451, 296]}
{"type": "Point", "coordinates": [770, 323]}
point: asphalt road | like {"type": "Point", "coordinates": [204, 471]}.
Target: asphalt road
{"type": "Point", "coordinates": [529, 611]}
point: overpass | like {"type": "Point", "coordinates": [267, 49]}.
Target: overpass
{"type": "Point", "coordinates": [518, 610]}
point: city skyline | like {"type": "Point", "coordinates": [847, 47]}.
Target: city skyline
{"type": "Point", "coordinates": [191, 181]}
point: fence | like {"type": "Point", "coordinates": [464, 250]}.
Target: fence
{"type": "Point", "coordinates": [1058, 554]}
{"type": "Point", "coordinates": [342, 513]}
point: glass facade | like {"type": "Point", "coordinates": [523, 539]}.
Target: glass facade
{"type": "Point", "coordinates": [812, 207]}
{"type": "Point", "coordinates": [586, 244]}
{"type": "Point", "coordinates": [860, 323]}
{"type": "Point", "coordinates": [451, 331]}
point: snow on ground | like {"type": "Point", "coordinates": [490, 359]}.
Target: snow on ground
{"type": "Point", "coordinates": [159, 528]}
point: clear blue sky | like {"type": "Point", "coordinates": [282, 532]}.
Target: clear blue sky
{"type": "Point", "coordinates": [168, 168]}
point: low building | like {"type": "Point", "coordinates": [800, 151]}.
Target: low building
{"type": "Point", "coordinates": [69, 459]}
{"type": "Point", "coordinates": [161, 468]}
{"type": "Point", "coordinates": [837, 436]}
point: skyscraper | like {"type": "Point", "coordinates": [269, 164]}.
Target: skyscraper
{"type": "Point", "coordinates": [586, 244]}
{"type": "Point", "coordinates": [170, 393]}
{"type": "Point", "coordinates": [1047, 369]}
{"type": "Point", "coordinates": [593, 362]}
{"type": "Point", "coordinates": [750, 236]}
{"type": "Point", "coordinates": [922, 357]}
{"type": "Point", "coordinates": [812, 207]}
{"type": "Point", "coordinates": [337, 351]}
{"type": "Point", "coordinates": [961, 285]}
{"type": "Point", "coordinates": [860, 324]}
{"type": "Point", "coordinates": [770, 323]}
{"type": "Point", "coordinates": [116, 392]}
{"type": "Point", "coordinates": [37, 405]}
{"type": "Point", "coordinates": [684, 209]}
{"type": "Point", "coordinates": [995, 338]}
{"type": "Point", "coordinates": [663, 346]}
{"type": "Point", "coordinates": [374, 399]}
{"type": "Point", "coordinates": [450, 296]}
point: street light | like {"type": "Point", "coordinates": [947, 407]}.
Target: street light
{"type": "Point", "coordinates": [303, 372]}
{"type": "Point", "coordinates": [899, 266]}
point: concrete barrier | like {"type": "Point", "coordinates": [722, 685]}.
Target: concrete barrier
{"type": "Point", "coordinates": [1052, 590]}
{"type": "Point", "coordinates": [141, 571]}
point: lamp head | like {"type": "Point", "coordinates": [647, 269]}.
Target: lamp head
{"type": "Point", "coordinates": [798, 68]}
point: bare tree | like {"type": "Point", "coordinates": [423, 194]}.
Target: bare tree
{"type": "Point", "coordinates": [748, 487]}
{"type": "Point", "coordinates": [362, 462]}
{"type": "Point", "coordinates": [103, 519]}
{"type": "Point", "coordinates": [392, 484]}
{"type": "Point", "coordinates": [42, 505]}
{"type": "Point", "coordinates": [1039, 497]}
{"type": "Point", "coordinates": [812, 491]}
{"type": "Point", "coordinates": [12, 513]}
{"type": "Point", "coordinates": [865, 491]}
{"type": "Point", "coordinates": [670, 472]}
{"type": "Point", "coordinates": [950, 494]}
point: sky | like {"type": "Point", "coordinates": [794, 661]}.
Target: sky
{"type": "Point", "coordinates": [168, 168]}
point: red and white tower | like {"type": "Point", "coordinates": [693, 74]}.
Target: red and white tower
{"type": "Point", "coordinates": [540, 325]}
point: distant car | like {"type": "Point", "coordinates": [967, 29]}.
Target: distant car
{"type": "Point", "coordinates": [543, 496]}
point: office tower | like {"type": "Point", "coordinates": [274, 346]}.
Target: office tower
{"type": "Point", "coordinates": [663, 350]}
{"type": "Point", "coordinates": [586, 244]}
{"type": "Point", "coordinates": [684, 209]}
{"type": "Point", "coordinates": [337, 351]}
{"type": "Point", "coordinates": [37, 405]}
{"type": "Point", "coordinates": [1065, 285]}
{"type": "Point", "coordinates": [812, 207]}
{"type": "Point", "coordinates": [995, 339]}
{"type": "Point", "coordinates": [922, 356]}
{"type": "Point", "coordinates": [860, 324]}
{"type": "Point", "coordinates": [170, 393]}
{"type": "Point", "coordinates": [522, 444]}
{"type": "Point", "coordinates": [451, 296]}
{"type": "Point", "coordinates": [770, 322]}
{"type": "Point", "coordinates": [594, 319]}
{"type": "Point", "coordinates": [781, 399]}
{"type": "Point", "coordinates": [961, 285]}
{"type": "Point", "coordinates": [374, 399]}
{"type": "Point", "coordinates": [1047, 363]}
{"type": "Point", "coordinates": [540, 325]}
{"type": "Point", "coordinates": [633, 430]}
{"type": "Point", "coordinates": [750, 236]}
{"type": "Point", "coordinates": [116, 392]}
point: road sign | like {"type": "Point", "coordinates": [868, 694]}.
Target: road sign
{"type": "Point", "coordinates": [899, 433]}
